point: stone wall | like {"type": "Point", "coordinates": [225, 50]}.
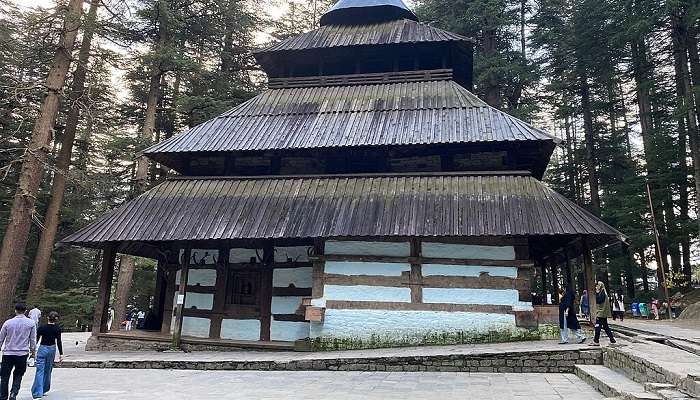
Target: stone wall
{"type": "Point", "coordinates": [422, 292]}
{"type": "Point", "coordinates": [542, 361]}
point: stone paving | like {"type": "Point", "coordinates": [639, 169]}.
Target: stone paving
{"type": "Point", "coordinates": [94, 384]}
{"type": "Point", "coordinates": [680, 329]}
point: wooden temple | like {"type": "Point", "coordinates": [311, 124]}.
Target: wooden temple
{"type": "Point", "coordinates": [366, 195]}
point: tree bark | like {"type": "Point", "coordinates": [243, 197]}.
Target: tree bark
{"type": "Point", "coordinates": [14, 243]}
{"type": "Point", "coordinates": [42, 261]}
{"type": "Point", "coordinates": [121, 296]}
{"type": "Point", "coordinates": [591, 164]}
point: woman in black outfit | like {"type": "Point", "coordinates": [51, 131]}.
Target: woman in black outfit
{"type": "Point", "coordinates": [49, 338]}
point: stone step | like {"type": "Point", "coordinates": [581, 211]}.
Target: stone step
{"type": "Point", "coordinates": [685, 345]}
{"type": "Point", "coordinates": [672, 394]}
{"type": "Point", "coordinates": [612, 383]}
{"type": "Point", "coordinates": [667, 391]}
{"type": "Point", "coordinates": [655, 362]}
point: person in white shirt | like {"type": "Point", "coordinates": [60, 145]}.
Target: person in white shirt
{"type": "Point", "coordinates": [140, 319]}
{"type": "Point", "coordinates": [110, 318]}
{"type": "Point", "coordinates": [35, 315]}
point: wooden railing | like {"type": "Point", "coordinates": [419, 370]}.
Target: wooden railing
{"type": "Point", "coordinates": [361, 79]}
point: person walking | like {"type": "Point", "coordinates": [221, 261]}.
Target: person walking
{"type": "Point", "coordinates": [18, 341]}
{"type": "Point", "coordinates": [49, 341]}
{"type": "Point", "coordinates": [110, 318]}
{"type": "Point", "coordinates": [655, 307]}
{"type": "Point", "coordinates": [603, 312]}
{"type": "Point", "coordinates": [567, 317]}
{"type": "Point", "coordinates": [585, 310]}
{"type": "Point", "coordinates": [35, 315]}
{"type": "Point", "coordinates": [619, 306]}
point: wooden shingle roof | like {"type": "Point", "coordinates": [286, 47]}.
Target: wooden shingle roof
{"type": "Point", "coordinates": [412, 113]}
{"type": "Point", "coordinates": [388, 32]}
{"type": "Point", "coordinates": [423, 205]}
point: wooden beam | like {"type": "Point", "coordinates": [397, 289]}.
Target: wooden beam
{"type": "Point", "coordinates": [590, 278]}
{"type": "Point", "coordinates": [99, 324]}
{"type": "Point", "coordinates": [426, 260]}
{"type": "Point", "coordinates": [389, 305]}
{"type": "Point", "coordinates": [181, 294]}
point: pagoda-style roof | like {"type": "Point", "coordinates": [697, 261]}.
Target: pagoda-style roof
{"type": "Point", "coordinates": [410, 113]}
{"type": "Point", "coordinates": [391, 205]}
{"type": "Point", "coordinates": [379, 33]}
{"type": "Point", "coordinates": [351, 11]}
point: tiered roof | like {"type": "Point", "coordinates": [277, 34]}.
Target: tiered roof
{"type": "Point", "coordinates": [394, 109]}
{"type": "Point", "coordinates": [460, 204]}
{"type": "Point", "coordinates": [413, 113]}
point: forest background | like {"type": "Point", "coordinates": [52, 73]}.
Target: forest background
{"type": "Point", "coordinates": [619, 80]}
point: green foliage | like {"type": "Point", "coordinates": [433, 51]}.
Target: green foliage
{"type": "Point", "coordinates": [76, 306]}
{"type": "Point", "coordinates": [433, 338]}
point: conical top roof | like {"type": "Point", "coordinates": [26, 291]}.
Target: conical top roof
{"type": "Point", "coordinates": [346, 12]}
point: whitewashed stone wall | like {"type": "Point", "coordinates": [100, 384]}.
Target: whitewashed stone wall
{"type": "Point", "coordinates": [403, 321]}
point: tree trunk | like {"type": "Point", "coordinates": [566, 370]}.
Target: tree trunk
{"type": "Point", "coordinates": [570, 170]}
{"type": "Point", "coordinates": [643, 268]}
{"type": "Point", "coordinates": [42, 261]}
{"type": "Point", "coordinates": [692, 45]}
{"type": "Point", "coordinates": [493, 93]}
{"type": "Point", "coordinates": [15, 241]}
{"type": "Point", "coordinates": [149, 120]}
{"type": "Point", "coordinates": [121, 296]}
{"type": "Point", "coordinates": [591, 166]}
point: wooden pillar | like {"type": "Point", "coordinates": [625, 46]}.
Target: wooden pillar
{"type": "Point", "coordinates": [266, 291]}
{"type": "Point", "coordinates": [168, 301]}
{"type": "Point", "coordinates": [590, 277]}
{"type": "Point", "coordinates": [568, 277]}
{"type": "Point", "coordinates": [318, 271]}
{"type": "Point", "coordinates": [99, 324]}
{"type": "Point", "coordinates": [159, 291]}
{"type": "Point", "coordinates": [543, 276]}
{"type": "Point", "coordinates": [555, 278]}
{"type": "Point", "coordinates": [219, 293]}
{"type": "Point", "coordinates": [415, 278]}
{"type": "Point", "coordinates": [181, 293]}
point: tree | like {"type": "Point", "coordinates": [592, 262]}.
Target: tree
{"type": "Point", "coordinates": [33, 164]}
{"type": "Point", "coordinates": [53, 212]}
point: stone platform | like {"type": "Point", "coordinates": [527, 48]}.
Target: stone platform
{"type": "Point", "coordinates": [536, 356]}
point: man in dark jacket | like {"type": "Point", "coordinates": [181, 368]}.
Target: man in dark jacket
{"type": "Point", "coordinates": [567, 317]}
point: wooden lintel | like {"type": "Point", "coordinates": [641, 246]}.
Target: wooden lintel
{"type": "Point", "coordinates": [386, 305]}
{"type": "Point", "coordinates": [426, 260]}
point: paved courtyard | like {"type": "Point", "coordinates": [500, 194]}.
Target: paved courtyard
{"type": "Point", "coordinates": [89, 384]}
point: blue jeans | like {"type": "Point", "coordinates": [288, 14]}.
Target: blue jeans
{"type": "Point", "coordinates": [44, 365]}
{"type": "Point", "coordinates": [565, 333]}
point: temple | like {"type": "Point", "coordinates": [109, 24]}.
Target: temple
{"type": "Point", "coordinates": [366, 197]}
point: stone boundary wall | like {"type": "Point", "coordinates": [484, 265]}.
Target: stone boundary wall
{"type": "Point", "coordinates": [641, 370]}
{"type": "Point", "coordinates": [542, 362]}
{"type": "Point", "coordinates": [120, 344]}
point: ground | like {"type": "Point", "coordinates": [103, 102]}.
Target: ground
{"type": "Point", "coordinates": [94, 384]}
{"type": "Point", "coordinates": [108, 384]}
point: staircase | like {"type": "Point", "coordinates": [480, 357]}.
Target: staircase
{"type": "Point", "coordinates": [646, 368]}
